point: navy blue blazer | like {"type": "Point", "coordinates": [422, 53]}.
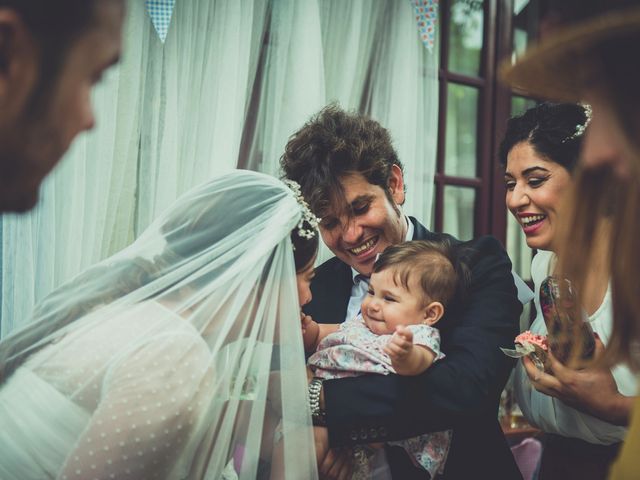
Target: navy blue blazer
{"type": "Point", "coordinates": [461, 392]}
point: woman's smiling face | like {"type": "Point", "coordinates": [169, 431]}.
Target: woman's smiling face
{"type": "Point", "coordinates": [535, 189]}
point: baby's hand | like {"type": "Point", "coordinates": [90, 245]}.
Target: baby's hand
{"type": "Point", "coordinates": [305, 320]}
{"type": "Point", "coordinates": [310, 332]}
{"type": "Point", "coordinates": [400, 344]}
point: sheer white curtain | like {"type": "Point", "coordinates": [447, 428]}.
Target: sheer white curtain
{"type": "Point", "coordinates": [291, 87]}
{"type": "Point", "coordinates": [368, 57]}
{"type": "Point", "coordinates": [195, 95]}
{"type": "Point", "coordinates": [404, 98]}
{"type": "Point", "coordinates": [234, 79]}
{"type": "Point", "coordinates": [376, 64]}
{"type": "Point", "coordinates": [87, 205]}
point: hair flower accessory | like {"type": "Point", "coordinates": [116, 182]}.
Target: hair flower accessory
{"type": "Point", "coordinates": [307, 215]}
{"type": "Point", "coordinates": [581, 127]}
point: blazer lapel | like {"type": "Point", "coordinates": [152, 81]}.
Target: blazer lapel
{"type": "Point", "coordinates": [420, 232]}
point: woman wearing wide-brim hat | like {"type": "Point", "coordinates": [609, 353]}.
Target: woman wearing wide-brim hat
{"type": "Point", "coordinates": [593, 55]}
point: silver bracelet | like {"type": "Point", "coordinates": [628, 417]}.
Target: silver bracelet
{"type": "Point", "coordinates": [317, 415]}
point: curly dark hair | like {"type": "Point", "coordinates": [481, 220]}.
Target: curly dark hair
{"type": "Point", "coordinates": [549, 128]}
{"type": "Point", "coordinates": [333, 144]}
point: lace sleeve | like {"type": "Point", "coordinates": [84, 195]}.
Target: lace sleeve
{"type": "Point", "coordinates": [147, 411]}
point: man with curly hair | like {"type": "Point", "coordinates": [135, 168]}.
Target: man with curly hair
{"type": "Point", "coordinates": [352, 178]}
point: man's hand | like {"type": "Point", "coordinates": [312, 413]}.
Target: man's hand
{"type": "Point", "coordinates": [310, 376]}
{"type": "Point", "coordinates": [591, 390]}
{"type": "Point", "coordinates": [333, 464]}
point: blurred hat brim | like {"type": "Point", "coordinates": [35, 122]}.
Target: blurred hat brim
{"type": "Point", "coordinates": [561, 67]}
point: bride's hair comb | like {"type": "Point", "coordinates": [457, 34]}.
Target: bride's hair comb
{"type": "Point", "coordinates": [307, 216]}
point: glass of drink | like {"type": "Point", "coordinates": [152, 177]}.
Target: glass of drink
{"type": "Point", "coordinates": [569, 336]}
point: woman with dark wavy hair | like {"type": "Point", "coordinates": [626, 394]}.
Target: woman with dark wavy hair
{"type": "Point", "coordinates": [583, 428]}
{"type": "Point", "coordinates": [589, 57]}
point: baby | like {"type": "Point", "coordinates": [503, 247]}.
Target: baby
{"type": "Point", "coordinates": [394, 331]}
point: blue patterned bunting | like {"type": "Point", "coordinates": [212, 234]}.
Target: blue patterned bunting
{"type": "Point", "coordinates": [160, 12]}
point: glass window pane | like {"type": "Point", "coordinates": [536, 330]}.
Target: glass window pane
{"type": "Point", "coordinates": [520, 104]}
{"type": "Point", "coordinates": [465, 36]}
{"type": "Point", "coordinates": [459, 209]}
{"type": "Point", "coordinates": [525, 24]}
{"type": "Point", "coordinates": [462, 131]}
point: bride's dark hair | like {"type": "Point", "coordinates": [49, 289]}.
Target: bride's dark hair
{"type": "Point", "coordinates": [304, 249]}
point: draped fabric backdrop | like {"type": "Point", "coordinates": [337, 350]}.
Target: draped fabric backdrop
{"type": "Point", "coordinates": [234, 79]}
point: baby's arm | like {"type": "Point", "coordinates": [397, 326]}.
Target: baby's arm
{"type": "Point", "coordinates": [313, 332]}
{"type": "Point", "coordinates": [407, 358]}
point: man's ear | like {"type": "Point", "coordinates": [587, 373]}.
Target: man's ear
{"type": "Point", "coordinates": [432, 313]}
{"type": "Point", "coordinates": [396, 184]}
{"type": "Point", "coordinates": [18, 55]}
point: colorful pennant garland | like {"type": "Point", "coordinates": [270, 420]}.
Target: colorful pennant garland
{"type": "Point", "coordinates": [426, 16]}
{"type": "Point", "coordinates": [160, 12]}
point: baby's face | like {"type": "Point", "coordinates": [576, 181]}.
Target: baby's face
{"type": "Point", "coordinates": [388, 304]}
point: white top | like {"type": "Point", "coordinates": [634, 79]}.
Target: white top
{"type": "Point", "coordinates": [137, 407]}
{"type": "Point", "coordinates": [549, 413]}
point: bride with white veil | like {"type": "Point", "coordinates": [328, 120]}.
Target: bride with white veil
{"type": "Point", "coordinates": [179, 357]}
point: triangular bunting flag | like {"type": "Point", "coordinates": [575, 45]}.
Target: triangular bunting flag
{"type": "Point", "coordinates": [160, 12]}
{"type": "Point", "coordinates": [426, 16]}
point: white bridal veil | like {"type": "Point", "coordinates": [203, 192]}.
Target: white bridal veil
{"type": "Point", "coordinates": [179, 357]}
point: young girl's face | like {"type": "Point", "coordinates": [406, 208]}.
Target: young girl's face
{"type": "Point", "coordinates": [388, 305]}
{"type": "Point", "coordinates": [303, 280]}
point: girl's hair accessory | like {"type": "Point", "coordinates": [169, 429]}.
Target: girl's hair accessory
{"type": "Point", "coordinates": [307, 215]}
